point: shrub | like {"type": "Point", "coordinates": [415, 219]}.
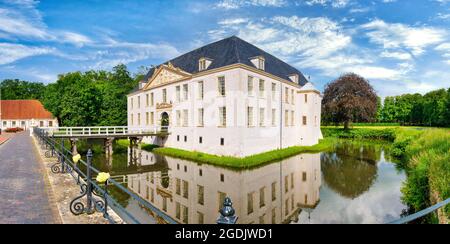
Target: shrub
{"type": "Point", "coordinates": [360, 133]}
{"type": "Point", "coordinates": [13, 130]}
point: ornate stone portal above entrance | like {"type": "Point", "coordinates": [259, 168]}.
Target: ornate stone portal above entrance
{"type": "Point", "coordinates": [166, 74]}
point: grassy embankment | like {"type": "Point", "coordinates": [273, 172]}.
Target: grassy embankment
{"type": "Point", "coordinates": [426, 156]}
{"type": "Point", "coordinates": [423, 152]}
{"type": "Point", "coordinates": [239, 163]}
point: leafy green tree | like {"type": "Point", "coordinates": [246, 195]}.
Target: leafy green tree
{"type": "Point", "coordinates": [21, 90]}
{"type": "Point", "coordinates": [92, 98]}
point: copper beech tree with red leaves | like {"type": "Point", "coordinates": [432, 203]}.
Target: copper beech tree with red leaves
{"type": "Point", "coordinates": [350, 98]}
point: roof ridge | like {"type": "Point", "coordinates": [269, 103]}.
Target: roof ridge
{"type": "Point", "coordinates": [235, 38]}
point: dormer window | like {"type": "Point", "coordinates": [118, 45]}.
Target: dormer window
{"type": "Point", "coordinates": [259, 62]}
{"type": "Point", "coordinates": [294, 78]}
{"type": "Point", "coordinates": [203, 64]}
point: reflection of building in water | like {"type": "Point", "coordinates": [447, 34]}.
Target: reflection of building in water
{"type": "Point", "coordinates": [193, 193]}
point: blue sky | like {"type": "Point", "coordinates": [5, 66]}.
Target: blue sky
{"type": "Point", "coordinates": [401, 46]}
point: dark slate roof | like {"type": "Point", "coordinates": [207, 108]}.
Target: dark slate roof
{"type": "Point", "coordinates": [229, 51]}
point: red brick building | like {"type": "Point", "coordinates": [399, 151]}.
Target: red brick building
{"type": "Point", "coordinates": [25, 114]}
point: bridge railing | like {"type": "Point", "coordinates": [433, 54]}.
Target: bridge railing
{"type": "Point", "coordinates": [98, 197]}
{"type": "Point", "coordinates": [422, 213]}
{"type": "Point", "coordinates": [104, 130]}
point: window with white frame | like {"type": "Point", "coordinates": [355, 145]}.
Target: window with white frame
{"type": "Point", "coordinates": [274, 116]}
{"type": "Point", "coordinates": [132, 103]}
{"type": "Point", "coordinates": [306, 98]}
{"type": "Point", "coordinates": [200, 90]}
{"type": "Point", "coordinates": [292, 96]}
{"type": "Point", "coordinates": [200, 117]}
{"type": "Point", "coordinates": [147, 100]}
{"type": "Point", "coordinates": [261, 88]}
{"type": "Point", "coordinates": [202, 64]}
{"type": "Point", "coordinates": [274, 90]}
{"type": "Point", "coordinates": [261, 117]}
{"type": "Point", "coordinates": [178, 93]}
{"type": "Point", "coordinates": [152, 101]}
{"type": "Point", "coordinates": [221, 85]}
{"type": "Point", "coordinates": [185, 117]}
{"type": "Point", "coordinates": [286, 118]}
{"type": "Point", "coordinates": [250, 85]}
{"type": "Point", "coordinates": [185, 92]}
{"type": "Point", "coordinates": [261, 64]}
{"type": "Point", "coordinates": [139, 119]}
{"type": "Point", "coordinates": [178, 118]}
{"type": "Point", "coordinates": [147, 118]}
{"type": "Point", "coordinates": [222, 116]}
{"type": "Point", "coordinates": [249, 116]}
{"type": "Point", "coordinates": [286, 93]}
{"type": "Point", "coordinates": [164, 95]}
{"type": "Point", "coordinates": [305, 120]}
{"type": "Point", "coordinates": [152, 118]}
{"type": "Point", "coordinates": [292, 118]}
{"type": "Point", "coordinates": [139, 101]}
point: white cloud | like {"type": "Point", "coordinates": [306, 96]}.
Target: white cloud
{"type": "Point", "coordinates": [113, 52]}
{"type": "Point", "coordinates": [333, 3]}
{"type": "Point", "coordinates": [13, 52]}
{"type": "Point", "coordinates": [25, 22]}
{"type": "Point", "coordinates": [76, 39]}
{"type": "Point", "coordinates": [396, 55]}
{"type": "Point", "coordinates": [14, 24]}
{"type": "Point", "coordinates": [236, 21]}
{"type": "Point", "coordinates": [235, 4]}
{"type": "Point", "coordinates": [400, 36]}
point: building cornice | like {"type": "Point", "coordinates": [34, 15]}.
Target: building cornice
{"type": "Point", "coordinates": [221, 69]}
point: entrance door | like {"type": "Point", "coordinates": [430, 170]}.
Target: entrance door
{"type": "Point", "coordinates": [165, 122]}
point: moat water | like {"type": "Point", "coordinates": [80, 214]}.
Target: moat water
{"type": "Point", "coordinates": [356, 183]}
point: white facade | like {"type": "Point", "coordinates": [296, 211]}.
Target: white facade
{"type": "Point", "coordinates": [193, 193]}
{"type": "Point", "coordinates": [27, 123]}
{"type": "Point", "coordinates": [245, 110]}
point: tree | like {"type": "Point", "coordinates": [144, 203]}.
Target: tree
{"type": "Point", "coordinates": [92, 98]}
{"type": "Point", "coordinates": [348, 99]}
{"type": "Point", "coordinates": [21, 90]}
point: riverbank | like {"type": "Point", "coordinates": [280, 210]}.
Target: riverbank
{"type": "Point", "coordinates": [253, 161]}
{"type": "Point", "coordinates": [426, 156]}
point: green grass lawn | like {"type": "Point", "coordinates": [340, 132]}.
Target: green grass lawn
{"type": "Point", "coordinates": [246, 162]}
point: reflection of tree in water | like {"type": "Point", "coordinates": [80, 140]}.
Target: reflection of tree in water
{"type": "Point", "coordinates": [352, 169]}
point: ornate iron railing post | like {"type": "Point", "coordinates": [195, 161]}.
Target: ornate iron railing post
{"type": "Point", "coordinates": [62, 157]}
{"type": "Point", "coordinates": [227, 213]}
{"type": "Point", "coordinates": [105, 198]}
{"type": "Point", "coordinates": [89, 181]}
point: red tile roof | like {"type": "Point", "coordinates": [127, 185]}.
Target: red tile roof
{"type": "Point", "coordinates": [24, 109]}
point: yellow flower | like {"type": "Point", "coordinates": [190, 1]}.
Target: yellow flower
{"type": "Point", "coordinates": [76, 158]}
{"type": "Point", "coordinates": [102, 177]}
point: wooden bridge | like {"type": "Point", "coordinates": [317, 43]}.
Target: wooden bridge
{"type": "Point", "coordinates": [105, 132]}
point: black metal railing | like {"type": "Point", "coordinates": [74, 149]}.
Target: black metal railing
{"type": "Point", "coordinates": [97, 196]}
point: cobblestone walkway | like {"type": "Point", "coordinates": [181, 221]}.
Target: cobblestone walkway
{"type": "Point", "coordinates": [23, 191]}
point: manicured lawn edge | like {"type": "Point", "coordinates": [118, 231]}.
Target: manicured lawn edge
{"type": "Point", "coordinates": [249, 162]}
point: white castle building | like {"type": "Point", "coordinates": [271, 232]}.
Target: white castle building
{"type": "Point", "coordinates": [227, 98]}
